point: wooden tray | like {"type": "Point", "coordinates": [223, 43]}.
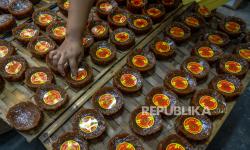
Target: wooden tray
{"type": "Point", "coordinates": [119, 123]}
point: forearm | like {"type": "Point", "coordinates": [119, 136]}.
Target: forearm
{"type": "Point", "coordinates": [77, 18]}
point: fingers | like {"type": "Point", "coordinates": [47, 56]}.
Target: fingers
{"type": "Point", "coordinates": [73, 66]}
{"type": "Point", "coordinates": [60, 65]}
{"type": "Point", "coordinates": [51, 54]}
{"type": "Point", "coordinates": [55, 59]}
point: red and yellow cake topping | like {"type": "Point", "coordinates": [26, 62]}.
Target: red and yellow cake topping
{"type": "Point", "coordinates": [103, 53]}
{"type": "Point", "coordinates": [144, 120]}
{"type": "Point", "coordinates": [88, 124]}
{"type": "Point", "coordinates": [208, 102]}
{"type": "Point", "coordinates": [206, 52]}
{"type": "Point", "coordinates": [70, 145]}
{"type": "Point", "coordinates": [39, 78]}
{"type": "Point", "coordinates": [204, 11]}
{"type": "Point", "coordinates": [106, 6]}
{"type": "Point", "coordinates": [162, 46]}
{"type": "Point", "coordinates": [226, 86]}
{"type": "Point", "coordinates": [66, 4]}
{"type": "Point", "coordinates": [216, 39]}
{"type": "Point", "coordinates": [161, 100]}
{"type": "Point", "coordinates": [81, 74]}
{"type": "Point", "coordinates": [85, 41]}
{"type": "Point", "coordinates": [140, 23]}
{"type": "Point", "coordinates": [122, 36]}
{"type": "Point", "coordinates": [59, 31]}
{"type": "Point", "coordinates": [52, 97]}
{"type": "Point", "coordinates": [177, 32]}
{"type": "Point", "coordinates": [245, 53]}
{"type": "Point", "coordinates": [98, 30]}
{"type": "Point", "coordinates": [13, 67]}
{"type": "Point", "coordinates": [107, 101]}
{"type": "Point", "coordinates": [27, 33]}
{"type": "Point", "coordinates": [195, 68]}
{"type": "Point", "coordinates": [192, 21]}
{"type": "Point", "coordinates": [45, 19]}
{"type": "Point", "coordinates": [179, 82]}
{"type": "Point", "coordinates": [192, 125]}
{"type": "Point", "coordinates": [140, 61]}
{"type": "Point", "coordinates": [125, 146]}
{"type": "Point", "coordinates": [175, 146]}
{"type": "Point", "coordinates": [154, 12]}
{"type": "Point", "coordinates": [3, 51]}
{"type": "Point", "coordinates": [232, 26]}
{"type": "Point", "coordinates": [128, 80]}
{"type": "Point", "coordinates": [119, 18]}
{"type": "Point", "coordinates": [137, 2]}
{"type": "Point", "coordinates": [233, 66]}
{"type": "Point", "coordinates": [42, 46]}
{"type": "Point", "coordinates": [169, 2]}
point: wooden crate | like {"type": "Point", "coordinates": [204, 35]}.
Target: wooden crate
{"type": "Point", "coordinates": [119, 124]}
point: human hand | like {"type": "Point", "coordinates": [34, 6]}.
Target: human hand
{"type": "Point", "coordinates": [69, 53]}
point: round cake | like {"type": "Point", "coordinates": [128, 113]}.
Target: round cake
{"type": "Point", "coordinates": [128, 80]}
{"type": "Point", "coordinates": [233, 26]}
{"type": "Point", "coordinates": [140, 24]}
{"type": "Point", "coordinates": [204, 11]}
{"type": "Point", "coordinates": [162, 98]}
{"type": "Point", "coordinates": [87, 42]}
{"type": "Point", "coordinates": [194, 21]}
{"type": "Point", "coordinates": [145, 123]}
{"type": "Point", "coordinates": [40, 46]}
{"type": "Point", "coordinates": [7, 22]}
{"type": "Point", "coordinates": [155, 11]}
{"type": "Point", "coordinates": [108, 100]}
{"type": "Point", "coordinates": [4, 5]}
{"type": "Point", "coordinates": [51, 97]}
{"type": "Point", "coordinates": [105, 7]}
{"type": "Point", "coordinates": [13, 68]}
{"type": "Point", "coordinates": [122, 38]}
{"type": "Point", "coordinates": [24, 116]}
{"type": "Point", "coordinates": [118, 18]}
{"type": "Point", "coordinates": [36, 77]}
{"type": "Point", "coordinates": [25, 32]}
{"type": "Point", "coordinates": [194, 127]}
{"type": "Point", "coordinates": [6, 49]}
{"type": "Point", "coordinates": [234, 65]}
{"type": "Point", "coordinates": [63, 6]}
{"type": "Point", "coordinates": [57, 31]}
{"type": "Point", "coordinates": [163, 48]}
{"type": "Point", "coordinates": [21, 8]}
{"type": "Point", "coordinates": [125, 141]}
{"type": "Point", "coordinates": [197, 67]}
{"type": "Point", "coordinates": [102, 53]}
{"type": "Point", "coordinates": [99, 29]}
{"type": "Point", "coordinates": [89, 123]}
{"type": "Point", "coordinates": [211, 100]}
{"type": "Point", "coordinates": [180, 82]}
{"type": "Point", "coordinates": [174, 142]}
{"type": "Point", "coordinates": [218, 38]}
{"type": "Point", "coordinates": [243, 50]}
{"type": "Point", "coordinates": [141, 60]}
{"type": "Point", "coordinates": [84, 76]}
{"type": "Point", "coordinates": [178, 31]}
{"type": "Point", "coordinates": [44, 18]}
{"type": "Point", "coordinates": [70, 141]}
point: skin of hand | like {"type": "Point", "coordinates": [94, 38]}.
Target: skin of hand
{"type": "Point", "coordinates": [71, 50]}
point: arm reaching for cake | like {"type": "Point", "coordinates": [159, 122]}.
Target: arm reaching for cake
{"type": "Point", "coordinates": [71, 50]}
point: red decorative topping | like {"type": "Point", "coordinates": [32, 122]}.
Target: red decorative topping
{"type": "Point", "coordinates": [122, 36]}
{"type": "Point", "coordinates": [162, 46]}
{"type": "Point", "coordinates": [27, 33]}
{"type": "Point", "coordinates": [140, 61]}
{"type": "Point", "coordinates": [161, 100]}
{"type": "Point", "coordinates": [81, 75]}
{"type": "Point", "coordinates": [98, 30]}
{"type": "Point", "coordinates": [70, 145]}
{"type": "Point", "coordinates": [125, 146]}
{"type": "Point", "coordinates": [39, 78]}
{"type": "Point", "coordinates": [144, 120]}
{"type": "Point", "coordinates": [42, 46]}
{"type": "Point", "coordinates": [119, 18]}
{"type": "Point", "coordinates": [216, 39]}
{"type": "Point", "coordinates": [140, 23]}
{"type": "Point", "coordinates": [13, 67]}
{"type": "Point", "coordinates": [179, 82]}
{"type": "Point", "coordinates": [45, 19]}
{"type": "Point", "coordinates": [226, 86]}
{"type": "Point", "coordinates": [206, 52]}
{"type": "Point", "coordinates": [107, 101]}
{"type": "Point", "coordinates": [208, 102]}
{"type": "Point", "coordinates": [195, 68]}
{"type": "Point", "coordinates": [137, 2]}
{"type": "Point", "coordinates": [192, 125]}
{"type": "Point", "coordinates": [177, 32]}
{"type": "Point", "coordinates": [52, 97]}
{"type": "Point", "coordinates": [59, 31]}
{"type": "Point", "coordinates": [204, 11]}
{"type": "Point", "coordinates": [233, 67]}
{"type": "Point", "coordinates": [191, 21]}
{"type": "Point", "coordinates": [175, 146]}
{"type": "Point", "coordinates": [245, 53]}
{"type": "Point", "coordinates": [103, 53]}
{"type": "Point", "coordinates": [232, 26]}
{"type": "Point", "coordinates": [128, 80]}
{"type": "Point", "coordinates": [154, 11]}
{"type": "Point", "coordinates": [3, 51]}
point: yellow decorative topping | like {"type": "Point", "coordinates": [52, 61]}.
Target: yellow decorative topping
{"type": "Point", "coordinates": [140, 23]}
{"type": "Point", "coordinates": [27, 33]}
{"type": "Point", "coordinates": [144, 120]}
{"type": "Point", "coordinates": [233, 67]}
{"type": "Point", "coordinates": [245, 53]}
{"type": "Point", "coordinates": [191, 21]}
{"type": "Point", "coordinates": [125, 146]}
{"type": "Point", "coordinates": [175, 146]}
{"type": "Point", "coordinates": [39, 78]}
{"type": "Point", "coordinates": [206, 52]}
{"type": "Point", "coordinates": [81, 74]}
{"type": "Point", "coordinates": [154, 12]}
{"type": "Point", "coordinates": [106, 7]}
{"type": "Point", "coordinates": [179, 82]}
{"type": "Point", "coordinates": [88, 124]}
{"type": "Point", "coordinates": [161, 100]}
{"type": "Point", "coordinates": [52, 97]}
{"type": "Point", "coordinates": [107, 101]}
{"type": "Point", "coordinates": [193, 125]}
{"type": "Point", "coordinates": [162, 46]}
{"type": "Point", "coordinates": [232, 26]}
{"type": "Point", "coordinates": [13, 67]}
{"type": "Point", "coordinates": [45, 19]}
{"type": "Point", "coordinates": [226, 86]}
{"type": "Point", "coordinates": [98, 30]}
{"type": "Point", "coordinates": [195, 68]}
{"type": "Point", "coordinates": [119, 18]}
{"type": "Point", "coordinates": [70, 145]}
{"type": "Point", "coordinates": [216, 39]}
{"type": "Point", "coordinates": [177, 32]}
{"type": "Point", "coordinates": [208, 102]}
{"type": "Point", "coordinates": [3, 51]}
{"type": "Point", "coordinates": [103, 53]}
{"type": "Point", "coordinates": [128, 80]}
{"type": "Point", "coordinates": [42, 46]}
{"type": "Point", "coordinates": [59, 31]}
{"type": "Point", "coordinates": [140, 61]}
{"type": "Point", "coordinates": [122, 37]}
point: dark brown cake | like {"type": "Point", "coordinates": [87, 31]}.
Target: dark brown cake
{"type": "Point", "coordinates": [21, 8]}
{"type": "Point", "coordinates": [7, 22]}
{"type": "Point", "coordinates": [141, 60]}
{"type": "Point", "coordinates": [44, 18]}
{"type": "Point", "coordinates": [170, 4]}
{"type": "Point", "coordinates": [51, 97]}
{"type": "Point", "coordinates": [218, 38]}
{"type": "Point", "coordinates": [105, 7]}
{"type": "Point", "coordinates": [108, 100]}
{"type": "Point", "coordinates": [24, 116]}
{"type": "Point", "coordinates": [83, 78]}
{"type": "Point", "coordinates": [211, 100]}
{"type": "Point", "coordinates": [194, 127]}
{"type": "Point", "coordinates": [233, 26]}
{"type": "Point", "coordinates": [174, 142]}
{"type": "Point", "coordinates": [197, 67]}
{"type": "Point", "coordinates": [87, 42]}
{"type": "Point", "coordinates": [243, 50]}
{"type": "Point", "coordinates": [4, 4]}
{"type": "Point", "coordinates": [57, 31]}
{"type": "Point", "coordinates": [89, 123]}
{"type": "Point", "coordinates": [99, 29]}
{"type": "Point", "coordinates": [193, 21]}
{"type": "Point", "coordinates": [155, 11]}
{"type": "Point", "coordinates": [13, 68]}
{"type": "Point", "coordinates": [63, 6]}
{"type": "Point", "coordinates": [125, 141]}
{"type": "Point", "coordinates": [6, 49]}
{"type": "Point", "coordinates": [118, 18]}
{"type": "Point", "coordinates": [128, 80]}
{"type": "Point", "coordinates": [140, 24]}
{"type": "Point", "coordinates": [163, 48]}
{"type": "Point", "coordinates": [180, 82]}
{"type": "Point", "coordinates": [103, 53]}
{"type": "Point", "coordinates": [25, 32]}
{"type": "Point", "coordinates": [40, 46]}
{"type": "Point", "coordinates": [144, 123]}
{"type": "Point", "coordinates": [178, 31]}
{"type": "Point", "coordinates": [123, 38]}
{"type": "Point", "coordinates": [36, 77]}
{"type": "Point", "coordinates": [70, 141]}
